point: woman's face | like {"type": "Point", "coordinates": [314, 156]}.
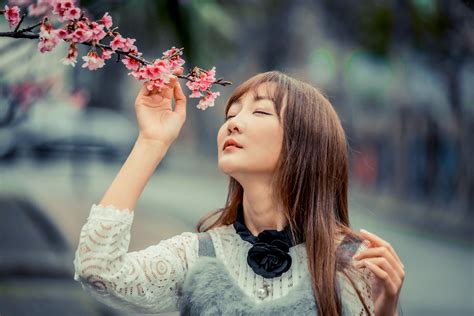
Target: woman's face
{"type": "Point", "coordinates": [253, 123]}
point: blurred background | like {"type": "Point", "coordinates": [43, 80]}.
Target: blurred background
{"type": "Point", "coordinates": [400, 74]}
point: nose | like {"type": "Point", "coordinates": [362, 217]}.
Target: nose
{"type": "Point", "coordinates": [233, 125]}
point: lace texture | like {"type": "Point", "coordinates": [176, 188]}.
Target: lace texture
{"type": "Point", "coordinates": [232, 250]}
{"type": "Point", "coordinates": [144, 281]}
{"type": "Point", "coordinates": [362, 282]}
{"type": "Point", "coordinates": [148, 281]}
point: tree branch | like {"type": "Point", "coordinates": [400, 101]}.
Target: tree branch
{"type": "Point", "coordinates": [19, 23]}
{"type": "Point", "coordinates": [25, 33]}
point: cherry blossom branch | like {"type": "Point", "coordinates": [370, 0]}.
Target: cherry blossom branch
{"type": "Point", "coordinates": [19, 35]}
{"type": "Point", "coordinates": [22, 34]}
{"type": "Point", "coordinates": [78, 29]}
{"type": "Point", "coordinates": [19, 23]}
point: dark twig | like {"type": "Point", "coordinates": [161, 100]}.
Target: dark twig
{"type": "Point", "coordinates": [29, 28]}
{"type": "Point", "coordinates": [19, 23]}
{"type": "Point", "coordinates": [19, 35]}
{"type": "Point", "coordinates": [25, 33]}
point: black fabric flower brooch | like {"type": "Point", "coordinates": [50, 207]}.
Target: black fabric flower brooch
{"type": "Point", "coordinates": [269, 256]}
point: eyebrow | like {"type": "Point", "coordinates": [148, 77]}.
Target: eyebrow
{"type": "Point", "coordinates": [257, 97]}
{"type": "Point", "coordinates": [262, 97]}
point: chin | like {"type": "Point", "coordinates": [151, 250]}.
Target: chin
{"type": "Point", "coordinates": [228, 167]}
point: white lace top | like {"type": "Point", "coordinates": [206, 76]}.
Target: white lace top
{"type": "Point", "coordinates": [148, 280]}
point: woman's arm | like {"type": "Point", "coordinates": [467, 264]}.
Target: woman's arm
{"type": "Point", "coordinates": [129, 183]}
{"type": "Point", "coordinates": [145, 281]}
{"type": "Point", "coordinates": [159, 126]}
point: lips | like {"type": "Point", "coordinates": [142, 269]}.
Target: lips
{"type": "Point", "coordinates": [231, 142]}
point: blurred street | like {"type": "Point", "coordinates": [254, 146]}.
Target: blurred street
{"type": "Point", "coordinates": [398, 74]}
{"type": "Point", "coordinates": [439, 269]}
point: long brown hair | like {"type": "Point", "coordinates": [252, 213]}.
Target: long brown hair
{"type": "Point", "coordinates": [311, 181]}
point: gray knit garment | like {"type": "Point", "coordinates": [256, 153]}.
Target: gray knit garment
{"type": "Point", "coordinates": [210, 290]}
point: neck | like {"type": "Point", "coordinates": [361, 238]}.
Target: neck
{"type": "Point", "coordinates": [260, 210]}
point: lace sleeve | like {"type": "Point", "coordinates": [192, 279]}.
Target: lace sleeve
{"type": "Point", "coordinates": [146, 281]}
{"type": "Point", "coordinates": [362, 280]}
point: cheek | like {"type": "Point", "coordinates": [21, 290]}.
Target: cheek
{"type": "Point", "coordinates": [220, 135]}
{"type": "Point", "coordinates": [270, 145]}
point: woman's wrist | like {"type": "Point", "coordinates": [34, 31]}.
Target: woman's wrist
{"type": "Point", "coordinates": [153, 144]}
{"type": "Point", "coordinates": [149, 151]}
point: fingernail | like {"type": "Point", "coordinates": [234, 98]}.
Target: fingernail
{"type": "Point", "coordinates": [364, 231]}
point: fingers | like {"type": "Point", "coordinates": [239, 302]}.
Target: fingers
{"type": "Point", "coordinates": [180, 100]}
{"type": "Point", "coordinates": [166, 93]}
{"type": "Point", "coordinates": [380, 252]}
{"type": "Point", "coordinates": [172, 89]}
{"type": "Point", "coordinates": [148, 89]}
{"type": "Point", "coordinates": [383, 270]}
{"type": "Point", "coordinates": [144, 90]}
{"type": "Point", "coordinates": [377, 241]}
{"type": "Point", "coordinates": [179, 71]}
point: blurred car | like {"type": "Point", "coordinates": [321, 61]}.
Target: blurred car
{"type": "Point", "coordinates": [36, 266]}
{"type": "Point", "coordinates": [58, 130]}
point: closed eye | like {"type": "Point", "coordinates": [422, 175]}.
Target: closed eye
{"type": "Point", "coordinates": [230, 116]}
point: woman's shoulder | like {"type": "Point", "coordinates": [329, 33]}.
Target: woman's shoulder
{"type": "Point", "coordinates": [219, 233]}
{"type": "Point", "coordinates": [222, 230]}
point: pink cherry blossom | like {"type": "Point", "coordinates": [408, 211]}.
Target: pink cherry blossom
{"type": "Point", "coordinates": [98, 32]}
{"type": "Point", "coordinates": [157, 74]}
{"type": "Point", "coordinates": [118, 42]}
{"type": "Point", "coordinates": [63, 34]}
{"type": "Point", "coordinates": [159, 70]}
{"type": "Point", "coordinates": [93, 61]}
{"type": "Point", "coordinates": [66, 4]}
{"type": "Point", "coordinates": [72, 14]}
{"type": "Point", "coordinates": [174, 56]}
{"type": "Point", "coordinates": [27, 92]}
{"type": "Point", "coordinates": [140, 74]}
{"type": "Point", "coordinates": [48, 38]}
{"type": "Point", "coordinates": [65, 10]}
{"type": "Point", "coordinates": [128, 45]}
{"type": "Point", "coordinates": [203, 80]}
{"type": "Point", "coordinates": [106, 54]}
{"type": "Point", "coordinates": [71, 58]}
{"type": "Point", "coordinates": [208, 100]}
{"type": "Point", "coordinates": [106, 20]}
{"type": "Point", "coordinates": [124, 44]}
{"type": "Point", "coordinates": [79, 98]}
{"type": "Point", "coordinates": [170, 52]}
{"type": "Point", "coordinates": [195, 94]}
{"type": "Point", "coordinates": [69, 61]}
{"type": "Point", "coordinates": [156, 84]}
{"type": "Point", "coordinates": [12, 15]}
{"type": "Point", "coordinates": [59, 6]}
{"type": "Point", "coordinates": [131, 64]}
{"type": "Point", "coordinates": [41, 7]}
{"type": "Point", "coordinates": [79, 29]}
{"type": "Point", "coordinates": [38, 9]}
{"type": "Point", "coordinates": [81, 35]}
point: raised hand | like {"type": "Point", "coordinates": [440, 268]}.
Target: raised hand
{"type": "Point", "coordinates": [389, 273]}
{"type": "Point", "coordinates": [157, 120]}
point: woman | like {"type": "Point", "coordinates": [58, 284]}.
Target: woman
{"type": "Point", "coordinates": [283, 240]}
